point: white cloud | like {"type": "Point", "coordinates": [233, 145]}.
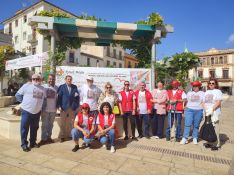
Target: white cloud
{"type": "Point", "coordinates": [230, 39]}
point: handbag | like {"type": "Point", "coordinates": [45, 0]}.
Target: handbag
{"type": "Point", "coordinates": [116, 110]}
{"type": "Point", "coordinates": [207, 131]}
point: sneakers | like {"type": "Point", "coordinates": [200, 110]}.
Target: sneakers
{"type": "Point", "coordinates": [156, 137]}
{"type": "Point", "coordinates": [76, 148]}
{"type": "Point", "coordinates": [112, 150]}
{"type": "Point", "coordinates": [104, 146]}
{"type": "Point", "coordinates": [194, 141]}
{"type": "Point", "coordinates": [183, 141]}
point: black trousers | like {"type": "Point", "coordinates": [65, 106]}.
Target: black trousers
{"type": "Point", "coordinates": [139, 125]}
{"type": "Point", "coordinates": [157, 124]}
{"type": "Point", "coordinates": [126, 116]}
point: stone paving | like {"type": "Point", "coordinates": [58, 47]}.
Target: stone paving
{"type": "Point", "coordinates": [131, 158]}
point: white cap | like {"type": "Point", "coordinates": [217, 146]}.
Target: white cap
{"type": "Point", "coordinates": [89, 78]}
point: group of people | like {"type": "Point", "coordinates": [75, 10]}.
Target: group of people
{"type": "Point", "coordinates": [87, 113]}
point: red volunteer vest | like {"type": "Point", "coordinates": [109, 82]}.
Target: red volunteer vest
{"type": "Point", "coordinates": [90, 120]}
{"type": "Point", "coordinates": [177, 96]}
{"type": "Point", "coordinates": [127, 101]}
{"type": "Point", "coordinates": [101, 119]}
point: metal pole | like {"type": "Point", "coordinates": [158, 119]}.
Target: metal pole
{"type": "Point", "coordinates": [153, 60]}
{"type": "Point", "coordinates": [52, 45]}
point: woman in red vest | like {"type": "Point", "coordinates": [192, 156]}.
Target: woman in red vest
{"type": "Point", "coordinates": [106, 125]}
{"type": "Point", "coordinates": [175, 109]}
{"type": "Point", "coordinates": [83, 127]}
{"type": "Point", "coordinates": [128, 109]}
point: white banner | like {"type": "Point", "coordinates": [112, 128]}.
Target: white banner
{"type": "Point", "coordinates": [116, 76]}
{"type": "Point", "coordinates": [28, 61]}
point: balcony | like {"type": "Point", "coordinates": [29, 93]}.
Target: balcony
{"type": "Point", "coordinates": [220, 79]}
{"type": "Point", "coordinates": [32, 39]}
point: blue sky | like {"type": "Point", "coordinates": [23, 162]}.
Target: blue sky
{"type": "Point", "coordinates": [201, 24]}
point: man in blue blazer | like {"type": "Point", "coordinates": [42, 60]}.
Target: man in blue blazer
{"type": "Point", "coordinates": [68, 103]}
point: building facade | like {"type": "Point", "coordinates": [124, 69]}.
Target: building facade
{"type": "Point", "coordinates": [216, 63]}
{"type": "Point", "coordinates": [130, 61]}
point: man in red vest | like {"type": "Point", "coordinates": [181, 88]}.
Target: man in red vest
{"type": "Point", "coordinates": [144, 109]}
{"type": "Point", "coordinates": [128, 109]}
{"type": "Point", "coordinates": [175, 109]}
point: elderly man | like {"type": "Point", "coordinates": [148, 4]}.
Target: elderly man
{"type": "Point", "coordinates": [68, 103]}
{"type": "Point", "coordinates": [49, 110]}
{"type": "Point", "coordinates": [31, 96]}
{"type": "Point", "coordinates": [89, 93]}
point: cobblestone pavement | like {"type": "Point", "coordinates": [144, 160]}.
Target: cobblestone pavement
{"type": "Point", "coordinates": [142, 157]}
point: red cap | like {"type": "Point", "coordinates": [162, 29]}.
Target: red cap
{"type": "Point", "coordinates": [196, 83]}
{"type": "Point", "coordinates": [85, 105]}
{"type": "Point", "coordinates": [175, 82]}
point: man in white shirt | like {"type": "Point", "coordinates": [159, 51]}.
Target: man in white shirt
{"type": "Point", "coordinates": [89, 93]}
{"type": "Point", "coordinates": [49, 110]}
{"type": "Point", "coordinates": [31, 96]}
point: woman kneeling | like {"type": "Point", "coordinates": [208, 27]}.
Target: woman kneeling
{"type": "Point", "coordinates": [106, 125]}
{"type": "Point", "coordinates": [83, 127]}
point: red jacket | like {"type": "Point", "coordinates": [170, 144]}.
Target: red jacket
{"type": "Point", "coordinates": [177, 96]}
{"type": "Point", "coordinates": [111, 117]}
{"type": "Point", "coordinates": [80, 120]}
{"type": "Point", "coordinates": [148, 98]}
{"type": "Point", "coordinates": [127, 101]}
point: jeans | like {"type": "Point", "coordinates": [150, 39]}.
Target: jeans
{"type": "Point", "coordinates": [157, 124]}
{"type": "Point", "coordinates": [171, 117]}
{"type": "Point", "coordinates": [76, 134]}
{"type": "Point", "coordinates": [110, 136]}
{"type": "Point", "coordinates": [126, 116]}
{"type": "Point", "coordinates": [146, 119]}
{"type": "Point", "coordinates": [192, 117]}
{"type": "Point", "coordinates": [31, 121]}
{"type": "Point", "coordinates": [47, 119]}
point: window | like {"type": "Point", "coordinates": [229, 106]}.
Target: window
{"type": "Point", "coordinates": [10, 28]}
{"type": "Point", "coordinates": [24, 35]}
{"type": "Point", "coordinates": [216, 60]}
{"type": "Point", "coordinates": [204, 61]}
{"type": "Point", "coordinates": [200, 74]}
{"type": "Point", "coordinates": [71, 57]}
{"type": "Point", "coordinates": [16, 23]}
{"type": "Point", "coordinates": [16, 39]}
{"type": "Point", "coordinates": [129, 64]}
{"type": "Point", "coordinates": [120, 55]}
{"type": "Point", "coordinates": [212, 74]}
{"type": "Point", "coordinates": [34, 33]}
{"type": "Point", "coordinates": [25, 18]}
{"type": "Point", "coordinates": [120, 65]}
{"type": "Point", "coordinates": [108, 63]}
{"type": "Point", "coordinates": [220, 60]}
{"type": "Point", "coordinates": [97, 64]}
{"type": "Point", "coordinates": [88, 61]}
{"type": "Point", "coordinates": [114, 53]}
{"type": "Point", "coordinates": [108, 51]}
{"type": "Point", "coordinates": [225, 73]}
{"type": "Point", "coordinates": [212, 61]}
{"type": "Point", "coordinates": [33, 50]}
{"type": "Point", "coordinates": [225, 60]}
{"type": "Point", "coordinates": [114, 64]}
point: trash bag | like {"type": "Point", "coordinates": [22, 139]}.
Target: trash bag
{"type": "Point", "coordinates": [207, 131]}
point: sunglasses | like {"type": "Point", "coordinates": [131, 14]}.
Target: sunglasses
{"type": "Point", "coordinates": [37, 79]}
{"type": "Point", "coordinates": [212, 83]}
{"type": "Point", "coordinates": [126, 84]}
{"type": "Point", "coordinates": [108, 87]}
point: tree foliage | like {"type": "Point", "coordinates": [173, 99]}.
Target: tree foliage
{"type": "Point", "coordinates": [6, 53]}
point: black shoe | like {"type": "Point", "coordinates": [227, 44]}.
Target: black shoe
{"type": "Point", "coordinates": [26, 149]}
{"type": "Point", "coordinates": [35, 145]}
{"type": "Point", "coordinates": [207, 145]}
{"type": "Point", "coordinates": [76, 148]}
{"type": "Point", "coordinates": [177, 140]}
{"type": "Point", "coordinates": [49, 140]}
{"type": "Point", "coordinates": [140, 136]}
{"type": "Point", "coordinates": [42, 142]}
{"type": "Point", "coordinates": [134, 138]}
{"type": "Point", "coordinates": [215, 148]}
{"type": "Point", "coordinates": [62, 140]}
{"type": "Point", "coordinates": [126, 138]}
{"type": "Point", "coordinates": [168, 139]}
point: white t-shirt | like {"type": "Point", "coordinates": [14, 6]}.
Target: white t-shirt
{"type": "Point", "coordinates": [211, 96]}
{"type": "Point", "coordinates": [90, 95]}
{"type": "Point", "coordinates": [51, 97]}
{"type": "Point", "coordinates": [33, 97]}
{"type": "Point", "coordinates": [85, 121]}
{"type": "Point", "coordinates": [105, 121]}
{"type": "Point", "coordinates": [195, 99]}
{"type": "Point", "coordinates": [142, 102]}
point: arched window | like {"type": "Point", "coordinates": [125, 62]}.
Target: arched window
{"type": "Point", "coordinates": [220, 60]}
{"type": "Point", "coordinates": [212, 61]}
